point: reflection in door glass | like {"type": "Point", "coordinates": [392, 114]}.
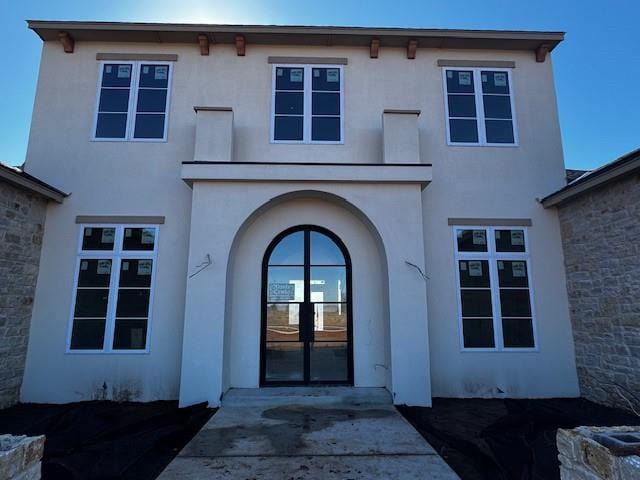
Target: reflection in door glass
{"type": "Point", "coordinates": [324, 251]}
{"type": "Point", "coordinates": [289, 251]}
{"type": "Point", "coordinates": [285, 284]}
{"type": "Point", "coordinates": [328, 284]}
{"type": "Point", "coordinates": [284, 362]}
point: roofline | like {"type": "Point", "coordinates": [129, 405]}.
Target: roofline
{"type": "Point", "coordinates": [272, 34]}
{"type": "Point", "coordinates": [22, 179]}
{"type": "Point", "coordinates": [609, 172]}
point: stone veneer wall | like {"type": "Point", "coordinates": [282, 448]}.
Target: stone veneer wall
{"type": "Point", "coordinates": [601, 239]}
{"type": "Point", "coordinates": [22, 217]}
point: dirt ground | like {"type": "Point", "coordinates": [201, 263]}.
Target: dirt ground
{"type": "Point", "coordinates": [506, 439]}
{"type": "Point", "coordinates": [106, 440]}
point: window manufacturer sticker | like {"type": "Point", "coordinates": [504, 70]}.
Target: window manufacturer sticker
{"type": "Point", "coordinates": [479, 237]}
{"type": "Point", "coordinates": [147, 236]}
{"type": "Point", "coordinates": [161, 73]}
{"type": "Point", "coordinates": [464, 78]}
{"type": "Point", "coordinates": [104, 267]}
{"type": "Point", "coordinates": [463, 266]}
{"type": "Point", "coordinates": [107, 69]}
{"type": "Point", "coordinates": [518, 269]}
{"type": "Point", "coordinates": [145, 69]}
{"type": "Point", "coordinates": [127, 232]}
{"type": "Point", "coordinates": [279, 72]}
{"type": "Point", "coordinates": [84, 265]}
{"type": "Point", "coordinates": [144, 267]}
{"type": "Point", "coordinates": [500, 265]}
{"type": "Point", "coordinates": [295, 75]}
{"type": "Point", "coordinates": [108, 235]}
{"type": "Point", "coordinates": [475, 269]}
{"type": "Point", "coordinates": [500, 79]}
{"type": "Point", "coordinates": [125, 266]}
{"type": "Point", "coordinates": [124, 71]}
{"type": "Point", "coordinates": [449, 74]}
{"type": "Point", "coordinates": [316, 73]}
{"type": "Point", "coordinates": [87, 232]}
{"type": "Point", "coordinates": [484, 78]}
{"type": "Point", "coordinates": [517, 237]}
{"type": "Point", "coordinates": [333, 75]}
{"type": "Point", "coordinates": [498, 235]}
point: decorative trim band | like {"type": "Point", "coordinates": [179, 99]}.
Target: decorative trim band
{"type": "Point", "coordinates": [491, 222]}
{"type": "Point", "coordinates": [154, 57]}
{"type": "Point", "coordinates": [477, 63]}
{"type": "Point", "coordinates": [121, 219]}
{"type": "Point", "coordinates": [309, 60]}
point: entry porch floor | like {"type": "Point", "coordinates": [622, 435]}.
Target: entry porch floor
{"type": "Point", "coordinates": [308, 433]}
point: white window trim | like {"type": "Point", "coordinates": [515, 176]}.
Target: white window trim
{"type": "Point", "coordinates": [307, 92]}
{"type": "Point", "coordinates": [492, 257]}
{"type": "Point", "coordinates": [480, 118]}
{"type": "Point", "coordinates": [133, 101]}
{"type": "Point", "coordinates": [116, 255]}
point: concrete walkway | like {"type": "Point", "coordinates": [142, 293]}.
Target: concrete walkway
{"type": "Point", "coordinates": [308, 433]}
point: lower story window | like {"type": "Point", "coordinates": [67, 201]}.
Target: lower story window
{"type": "Point", "coordinates": [494, 285]}
{"type": "Point", "coordinates": [113, 288]}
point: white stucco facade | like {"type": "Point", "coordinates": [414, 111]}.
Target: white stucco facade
{"type": "Point", "coordinates": [205, 329]}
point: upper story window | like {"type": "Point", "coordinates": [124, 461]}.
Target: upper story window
{"type": "Point", "coordinates": [133, 99]}
{"type": "Point", "coordinates": [479, 107]}
{"type": "Point", "coordinates": [307, 104]}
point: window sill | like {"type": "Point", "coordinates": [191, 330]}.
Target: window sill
{"type": "Point", "coordinates": [295, 142]}
{"type": "Point", "coordinates": [106, 352]}
{"type": "Point", "coordinates": [499, 145]}
{"type": "Point", "coordinates": [500, 350]}
{"type": "Point", "coordinates": [132, 140]}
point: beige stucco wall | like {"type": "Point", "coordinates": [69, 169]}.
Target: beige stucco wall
{"type": "Point", "coordinates": [144, 179]}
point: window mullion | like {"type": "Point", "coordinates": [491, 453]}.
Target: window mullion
{"type": "Point", "coordinates": [133, 100]}
{"type": "Point", "coordinates": [482, 133]}
{"type": "Point", "coordinates": [113, 290]}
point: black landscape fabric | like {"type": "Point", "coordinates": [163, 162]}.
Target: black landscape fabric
{"type": "Point", "coordinates": [106, 440]}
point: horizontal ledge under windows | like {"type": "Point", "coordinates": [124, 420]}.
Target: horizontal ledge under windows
{"type": "Point", "coordinates": [488, 222]}
{"type": "Point", "coordinates": [154, 57]}
{"type": "Point", "coordinates": [477, 63]}
{"type": "Point", "coordinates": [120, 219]}
{"type": "Point", "coordinates": [308, 60]}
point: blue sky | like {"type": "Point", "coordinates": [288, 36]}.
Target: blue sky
{"type": "Point", "coordinates": [597, 68]}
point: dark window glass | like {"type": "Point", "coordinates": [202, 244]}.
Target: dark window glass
{"type": "Point", "coordinates": [130, 334]}
{"type": "Point", "coordinates": [496, 106]}
{"type": "Point", "coordinates": [149, 126]}
{"type": "Point", "coordinates": [326, 79]}
{"type": "Point", "coordinates": [284, 361]}
{"type": "Point", "coordinates": [499, 131]}
{"type": "Point", "coordinates": [472, 240]}
{"type": "Point", "coordinates": [116, 75]}
{"type": "Point", "coordinates": [111, 125]}
{"type": "Point", "coordinates": [462, 105]}
{"type": "Point", "coordinates": [329, 362]}
{"type": "Point", "coordinates": [478, 333]}
{"type": "Point", "coordinates": [91, 302]}
{"type": "Point", "coordinates": [139, 238]}
{"type": "Point", "coordinates": [114, 100]}
{"type": "Point", "coordinates": [459, 81]}
{"type": "Point", "coordinates": [510, 241]}
{"type": "Point", "coordinates": [463, 131]}
{"type": "Point", "coordinates": [289, 103]}
{"type": "Point", "coordinates": [154, 76]}
{"type": "Point", "coordinates": [324, 251]}
{"type": "Point", "coordinates": [515, 303]}
{"type": "Point", "coordinates": [288, 128]}
{"type": "Point", "coordinates": [289, 78]}
{"type": "Point", "coordinates": [152, 100]}
{"type": "Point", "coordinates": [474, 273]}
{"type": "Point", "coordinates": [512, 273]}
{"type": "Point", "coordinates": [517, 332]}
{"type": "Point", "coordinates": [88, 334]}
{"type": "Point", "coordinates": [328, 284]}
{"type": "Point", "coordinates": [289, 251]}
{"type": "Point", "coordinates": [330, 322]}
{"type": "Point", "coordinates": [285, 284]}
{"type": "Point", "coordinates": [476, 303]}
{"type": "Point", "coordinates": [136, 272]}
{"type": "Point", "coordinates": [325, 104]}
{"type": "Point", "coordinates": [325, 129]}
{"type": "Point", "coordinates": [283, 322]}
{"type": "Point", "coordinates": [495, 82]}
{"type": "Point", "coordinates": [94, 273]}
{"type": "Point", "coordinates": [133, 303]}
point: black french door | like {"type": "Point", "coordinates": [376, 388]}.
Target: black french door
{"type": "Point", "coordinates": [306, 333]}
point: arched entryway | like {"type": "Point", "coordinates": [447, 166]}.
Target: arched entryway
{"type": "Point", "coordinates": [306, 333]}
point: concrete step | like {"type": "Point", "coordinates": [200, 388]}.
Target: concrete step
{"type": "Point", "coordinates": [276, 396]}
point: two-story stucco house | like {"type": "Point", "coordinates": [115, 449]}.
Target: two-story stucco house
{"type": "Point", "coordinates": [258, 205]}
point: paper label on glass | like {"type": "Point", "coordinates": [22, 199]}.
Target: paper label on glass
{"type": "Point", "coordinates": [104, 267]}
{"type": "Point", "coordinates": [279, 72]}
{"type": "Point", "coordinates": [88, 232]}
{"type": "Point", "coordinates": [475, 269]}
{"type": "Point", "coordinates": [464, 78]}
{"type": "Point", "coordinates": [484, 78]}
{"type": "Point", "coordinates": [145, 69]}
{"type": "Point", "coordinates": [124, 71]}
{"type": "Point", "coordinates": [161, 73]}
{"type": "Point", "coordinates": [316, 73]}
{"type": "Point", "coordinates": [518, 269]}
{"type": "Point", "coordinates": [295, 75]}
{"type": "Point", "coordinates": [84, 265]}
{"type": "Point", "coordinates": [107, 69]}
{"type": "Point", "coordinates": [147, 236]}
{"type": "Point", "coordinates": [125, 266]}
{"type": "Point", "coordinates": [517, 237]}
{"type": "Point", "coordinates": [449, 74]}
{"type": "Point", "coordinates": [144, 267]}
{"type": "Point", "coordinates": [498, 235]}
{"type": "Point", "coordinates": [479, 237]}
{"type": "Point", "coordinates": [127, 232]}
{"type": "Point", "coordinates": [500, 265]}
{"type": "Point", "coordinates": [463, 266]}
{"type": "Point", "coordinates": [500, 79]}
{"type": "Point", "coordinates": [333, 75]}
{"type": "Point", "coordinates": [107, 235]}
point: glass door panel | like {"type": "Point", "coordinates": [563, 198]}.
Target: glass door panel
{"type": "Point", "coordinates": [329, 362]}
{"type": "Point", "coordinates": [284, 362]}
